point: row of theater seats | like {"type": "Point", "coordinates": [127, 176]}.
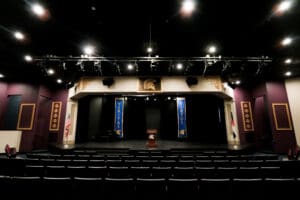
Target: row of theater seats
{"type": "Point", "coordinates": [151, 157]}
{"type": "Point", "coordinates": [160, 172]}
{"type": "Point", "coordinates": [129, 188]}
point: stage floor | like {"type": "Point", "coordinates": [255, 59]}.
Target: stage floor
{"type": "Point", "coordinates": [161, 145]}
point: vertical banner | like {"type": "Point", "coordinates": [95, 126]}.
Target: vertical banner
{"type": "Point", "coordinates": [119, 109]}
{"type": "Point", "coordinates": [181, 116]}
{"type": "Point", "coordinates": [55, 116]}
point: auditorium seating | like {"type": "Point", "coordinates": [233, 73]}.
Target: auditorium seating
{"type": "Point", "coordinates": [167, 173]}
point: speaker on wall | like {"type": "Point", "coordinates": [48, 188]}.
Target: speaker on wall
{"type": "Point", "coordinates": [191, 81]}
{"type": "Point", "coordinates": [108, 81]}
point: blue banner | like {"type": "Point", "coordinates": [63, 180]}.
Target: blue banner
{"type": "Point", "coordinates": [119, 109]}
{"type": "Point", "coordinates": [181, 116]}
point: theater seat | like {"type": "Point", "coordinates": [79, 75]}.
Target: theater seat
{"type": "Point", "coordinates": [87, 188]}
{"type": "Point", "coordinates": [150, 188]}
{"type": "Point", "coordinates": [215, 188]}
{"type": "Point", "coordinates": [180, 188]}
{"type": "Point", "coordinates": [119, 188]}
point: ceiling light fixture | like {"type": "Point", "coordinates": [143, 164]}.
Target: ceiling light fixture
{"type": "Point", "coordinates": [212, 49]}
{"type": "Point", "coordinates": [188, 7]}
{"type": "Point", "coordinates": [288, 73]}
{"type": "Point", "coordinates": [38, 9]}
{"type": "Point", "coordinates": [19, 36]}
{"type": "Point", "coordinates": [59, 81]}
{"type": "Point", "coordinates": [50, 71]}
{"type": "Point", "coordinates": [286, 41]}
{"type": "Point", "coordinates": [1, 76]}
{"type": "Point", "coordinates": [284, 6]}
{"type": "Point", "coordinates": [288, 61]}
{"type": "Point", "coordinates": [89, 50]}
{"type": "Point", "coordinates": [28, 58]}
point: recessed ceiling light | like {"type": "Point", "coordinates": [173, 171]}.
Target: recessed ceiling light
{"type": "Point", "coordinates": [286, 41]}
{"type": "Point", "coordinates": [1, 76]}
{"type": "Point", "coordinates": [288, 73]}
{"type": "Point", "coordinates": [288, 61]}
{"type": "Point", "coordinates": [19, 36]}
{"type": "Point", "coordinates": [130, 67]}
{"type": "Point", "coordinates": [28, 58]}
{"type": "Point", "coordinates": [284, 6]}
{"type": "Point", "coordinates": [188, 7]}
{"type": "Point", "coordinates": [212, 49]}
{"type": "Point", "coordinates": [89, 50]}
{"type": "Point", "coordinates": [149, 49]}
{"type": "Point", "coordinates": [50, 71]}
{"type": "Point", "coordinates": [179, 66]}
{"type": "Point", "coordinates": [38, 9]}
{"type": "Point", "coordinates": [237, 82]}
{"type": "Point", "coordinates": [59, 81]}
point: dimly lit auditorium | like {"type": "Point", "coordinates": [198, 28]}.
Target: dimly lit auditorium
{"type": "Point", "coordinates": [149, 99]}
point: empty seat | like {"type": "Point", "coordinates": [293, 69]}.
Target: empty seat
{"type": "Point", "coordinates": [280, 188]}
{"type": "Point", "coordinates": [215, 188]}
{"type": "Point", "coordinates": [161, 172]}
{"type": "Point", "coordinates": [150, 188]}
{"type": "Point", "coordinates": [87, 187]}
{"type": "Point", "coordinates": [57, 187]}
{"type": "Point", "coordinates": [118, 172]}
{"type": "Point", "coordinates": [77, 171]}
{"type": "Point", "coordinates": [205, 172]}
{"type": "Point", "coordinates": [56, 171]}
{"type": "Point", "coordinates": [97, 172]}
{"type": "Point", "coordinates": [115, 188]}
{"type": "Point", "coordinates": [180, 188]}
{"type": "Point", "coordinates": [140, 172]}
{"type": "Point", "coordinates": [183, 172]}
{"type": "Point", "coordinates": [34, 170]}
{"type": "Point", "coordinates": [26, 187]}
{"type": "Point", "coordinates": [247, 188]}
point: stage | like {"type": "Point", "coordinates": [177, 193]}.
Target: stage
{"type": "Point", "coordinates": [164, 145]}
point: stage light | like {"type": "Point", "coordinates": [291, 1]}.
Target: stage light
{"type": "Point", "coordinates": [88, 50]}
{"type": "Point", "coordinates": [237, 82]}
{"type": "Point", "coordinates": [207, 56]}
{"type": "Point", "coordinates": [188, 7]}
{"type": "Point", "coordinates": [212, 49]}
{"type": "Point", "coordinates": [1, 76]}
{"type": "Point", "coordinates": [284, 6]}
{"type": "Point", "coordinates": [19, 36]}
{"type": "Point", "coordinates": [50, 71]}
{"type": "Point", "coordinates": [288, 61]}
{"type": "Point", "coordinates": [38, 9]}
{"type": "Point", "coordinates": [28, 58]}
{"type": "Point", "coordinates": [130, 66]}
{"type": "Point", "coordinates": [179, 66]}
{"type": "Point", "coordinates": [288, 73]}
{"type": "Point", "coordinates": [286, 41]}
{"type": "Point", "coordinates": [59, 81]}
{"type": "Point", "coordinates": [149, 50]}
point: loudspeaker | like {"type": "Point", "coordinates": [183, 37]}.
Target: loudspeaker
{"type": "Point", "coordinates": [108, 81]}
{"type": "Point", "coordinates": [191, 81]}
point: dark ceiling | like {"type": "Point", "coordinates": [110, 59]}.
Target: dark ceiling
{"type": "Point", "coordinates": [119, 28]}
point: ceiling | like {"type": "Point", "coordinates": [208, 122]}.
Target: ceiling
{"type": "Point", "coordinates": [119, 28]}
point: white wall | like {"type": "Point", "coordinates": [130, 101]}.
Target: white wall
{"type": "Point", "coordinates": [12, 138]}
{"type": "Point", "coordinates": [293, 92]}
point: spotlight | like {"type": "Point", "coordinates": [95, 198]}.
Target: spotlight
{"type": "Point", "coordinates": [1, 76]}
{"type": "Point", "coordinates": [59, 81]}
{"type": "Point", "coordinates": [38, 9]}
{"type": "Point", "coordinates": [288, 73]}
{"type": "Point", "coordinates": [284, 6]}
{"type": "Point", "coordinates": [188, 7]}
{"type": "Point", "coordinates": [212, 49]}
{"type": "Point", "coordinates": [288, 61]}
{"type": "Point", "coordinates": [237, 82]}
{"type": "Point", "coordinates": [130, 67]}
{"type": "Point", "coordinates": [19, 36]}
{"type": "Point", "coordinates": [50, 71]}
{"type": "Point", "coordinates": [179, 66]}
{"type": "Point", "coordinates": [88, 50]}
{"type": "Point", "coordinates": [149, 50]}
{"type": "Point", "coordinates": [286, 41]}
{"type": "Point", "coordinates": [28, 58]}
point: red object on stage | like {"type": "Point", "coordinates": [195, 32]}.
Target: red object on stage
{"type": "Point", "coordinates": [152, 137]}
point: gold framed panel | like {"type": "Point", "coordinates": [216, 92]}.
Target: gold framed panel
{"type": "Point", "coordinates": [55, 116]}
{"type": "Point", "coordinates": [23, 111]}
{"type": "Point", "coordinates": [288, 117]}
{"type": "Point", "coordinates": [247, 116]}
